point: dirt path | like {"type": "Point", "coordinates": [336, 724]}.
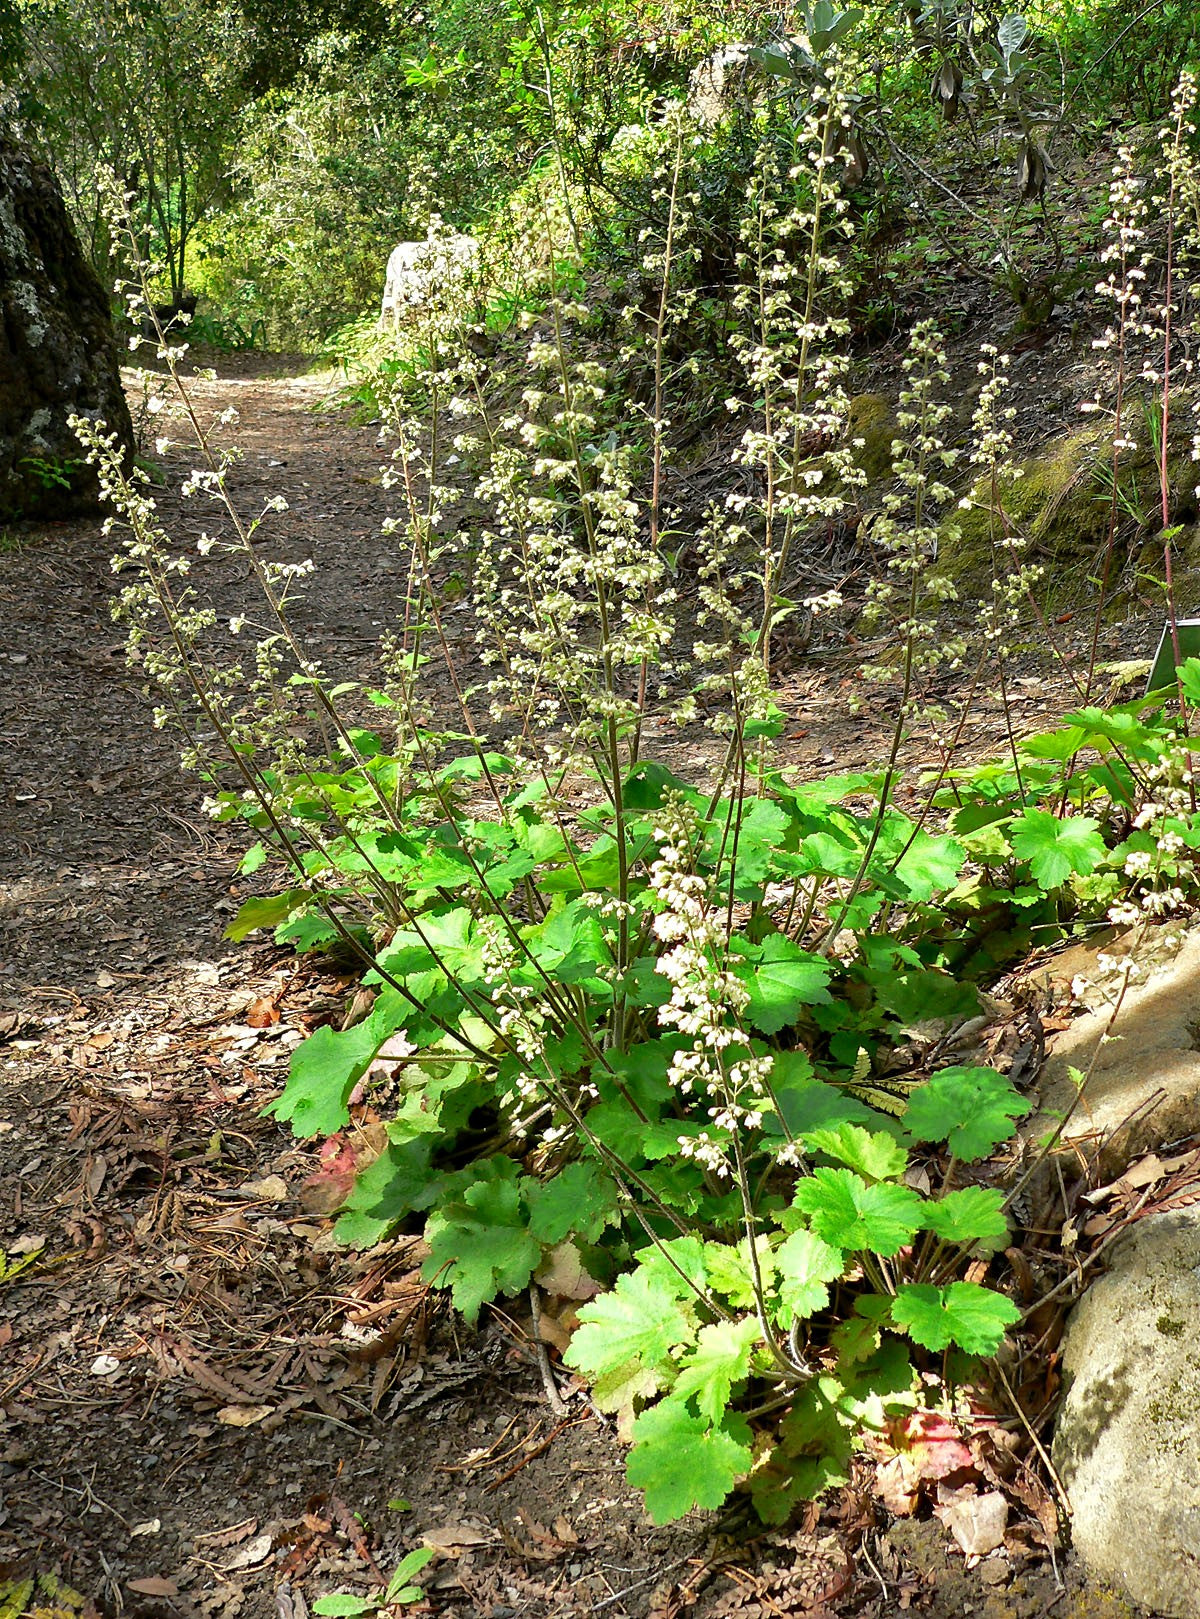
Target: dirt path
{"type": "Point", "coordinates": [206, 1407]}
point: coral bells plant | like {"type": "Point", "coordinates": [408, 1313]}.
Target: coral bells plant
{"type": "Point", "coordinates": [639, 1038]}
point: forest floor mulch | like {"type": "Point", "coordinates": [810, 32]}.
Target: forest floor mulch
{"type": "Point", "coordinates": [206, 1406]}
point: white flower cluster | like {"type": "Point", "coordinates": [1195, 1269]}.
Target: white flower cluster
{"type": "Point", "coordinates": [706, 1001]}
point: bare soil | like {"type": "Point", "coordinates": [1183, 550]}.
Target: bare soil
{"type": "Point", "coordinates": [206, 1406]}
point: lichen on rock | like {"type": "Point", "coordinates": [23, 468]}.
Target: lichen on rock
{"type": "Point", "coordinates": [871, 428]}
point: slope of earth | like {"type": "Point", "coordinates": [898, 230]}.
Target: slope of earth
{"type": "Point", "coordinates": [206, 1407]}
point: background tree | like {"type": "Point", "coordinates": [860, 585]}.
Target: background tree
{"type": "Point", "coordinates": [152, 90]}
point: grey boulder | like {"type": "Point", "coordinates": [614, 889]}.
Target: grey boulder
{"type": "Point", "coordinates": [1127, 1444]}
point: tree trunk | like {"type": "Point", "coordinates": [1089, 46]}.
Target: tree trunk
{"type": "Point", "coordinates": [58, 352]}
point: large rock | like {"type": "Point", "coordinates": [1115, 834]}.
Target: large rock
{"type": "Point", "coordinates": [715, 85]}
{"type": "Point", "coordinates": [1128, 1438]}
{"type": "Point", "coordinates": [58, 353]}
{"type": "Point", "coordinates": [420, 272]}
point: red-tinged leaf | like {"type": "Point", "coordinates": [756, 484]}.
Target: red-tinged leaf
{"type": "Point", "coordinates": [934, 1444]}
{"type": "Point", "coordinates": [336, 1155]}
{"type": "Point", "coordinates": [328, 1187]}
{"type": "Point", "coordinates": [153, 1586]}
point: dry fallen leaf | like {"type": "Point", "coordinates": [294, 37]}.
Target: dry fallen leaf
{"type": "Point", "coordinates": [528, 1539]}
{"type": "Point", "coordinates": [153, 1586]}
{"type": "Point", "coordinates": [328, 1187]}
{"type": "Point", "coordinates": [262, 1013]}
{"type": "Point", "coordinates": [457, 1538]}
{"type": "Point", "coordinates": [270, 1189]}
{"type": "Point", "coordinates": [977, 1522]}
{"type": "Point", "coordinates": [254, 1551]}
{"type": "Point", "coordinates": [897, 1485]}
{"type": "Point", "coordinates": [215, 1538]}
{"type": "Point", "coordinates": [243, 1416]}
{"type": "Point", "coordinates": [562, 1274]}
{"type": "Point", "coordinates": [290, 1604]}
{"type": "Point", "coordinates": [151, 1527]}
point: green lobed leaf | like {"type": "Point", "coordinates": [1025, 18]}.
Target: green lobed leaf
{"type": "Point", "coordinates": [680, 1461]}
{"type": "Point", "coordinates": [639, 1320]}
{"type": "Point", "coordinates": [579, 1201]}
{"type": "Point", "coordinates": [762, 829]}
{"type": "Point", "coordinates": [399, 1181]}
{"type": "Point", "coordinates": [647, 785]}
{"type": "Point", "coordinates": [922, 993]}
{"type": "Point", "coordinates": [848, 1213]}
{"type": "Point", "coordinates": [569, 944]}
{"type": "Point", "coordinates": [254, 858]}
{"type": "Point", "coordinates": [663, 1138]}
{"type": "Point", "coordinates": [972, 1214]}
{"type": "Point", "coordinates": [857, 1337]}
{"type": "Point", "coordinates": [782, 979]}
{"type": "Point", "coordinates": [780, 1483]}
{"type": "Point", "coordinates": [720, 1359]}
{"type": "Point", "coordinates": [479, 1242]}
{"type": "Point", "coordinates": [729, 1272]}
{"type": "Point", "coordinates": [806, 1103]}
{"type": "Point", "coordinates": [870, 1153]}
{"type": "Point", "coordinates": [444, 937]}
{"type": "Point", "coordinates": [971, 1109]}
{"type": "Point", "coordinates": [962, 1313]}
{"type": "Point", "coordinates": [265, 911]}
{"type": "Point", "coordinates": [1057, 848]}
{"type": "Point", "coordinates": [806, 1264]}
{"type": "Point", "coordinates": [326, 1067]}
{"type": "Point", "coordinates": [924, 864]}
{"type": "Point", "coordinates": [1189, 675]}
{"type": "Point", "coordinates": [679, 1265]}
{"type": "Point", "coordinates": [306, 930]}
{"type": "Point", "coordinates": [821, 854]}
{"type": "Point", "coordinates": [643, 985]}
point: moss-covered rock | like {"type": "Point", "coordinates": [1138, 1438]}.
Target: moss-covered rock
{"type": "Point", "coordinates": [1051, 501]}
{"type": "Point", "coordinates": [1097, 1603]}
{"type": "Point", "coordinates": [1061, 504]}
{"type": "Point", "coordinates": [872, 420]}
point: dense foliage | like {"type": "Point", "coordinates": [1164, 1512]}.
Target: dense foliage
{"type": "Point", "coordinates": [644, 1039]}
{"type": "Point", "coordinates": [275, 158]}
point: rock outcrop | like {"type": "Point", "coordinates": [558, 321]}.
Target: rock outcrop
{"type": "Point", "coordinates": [1144, 1085]}
{"type": "Point", "coordinates": [58, 353]}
